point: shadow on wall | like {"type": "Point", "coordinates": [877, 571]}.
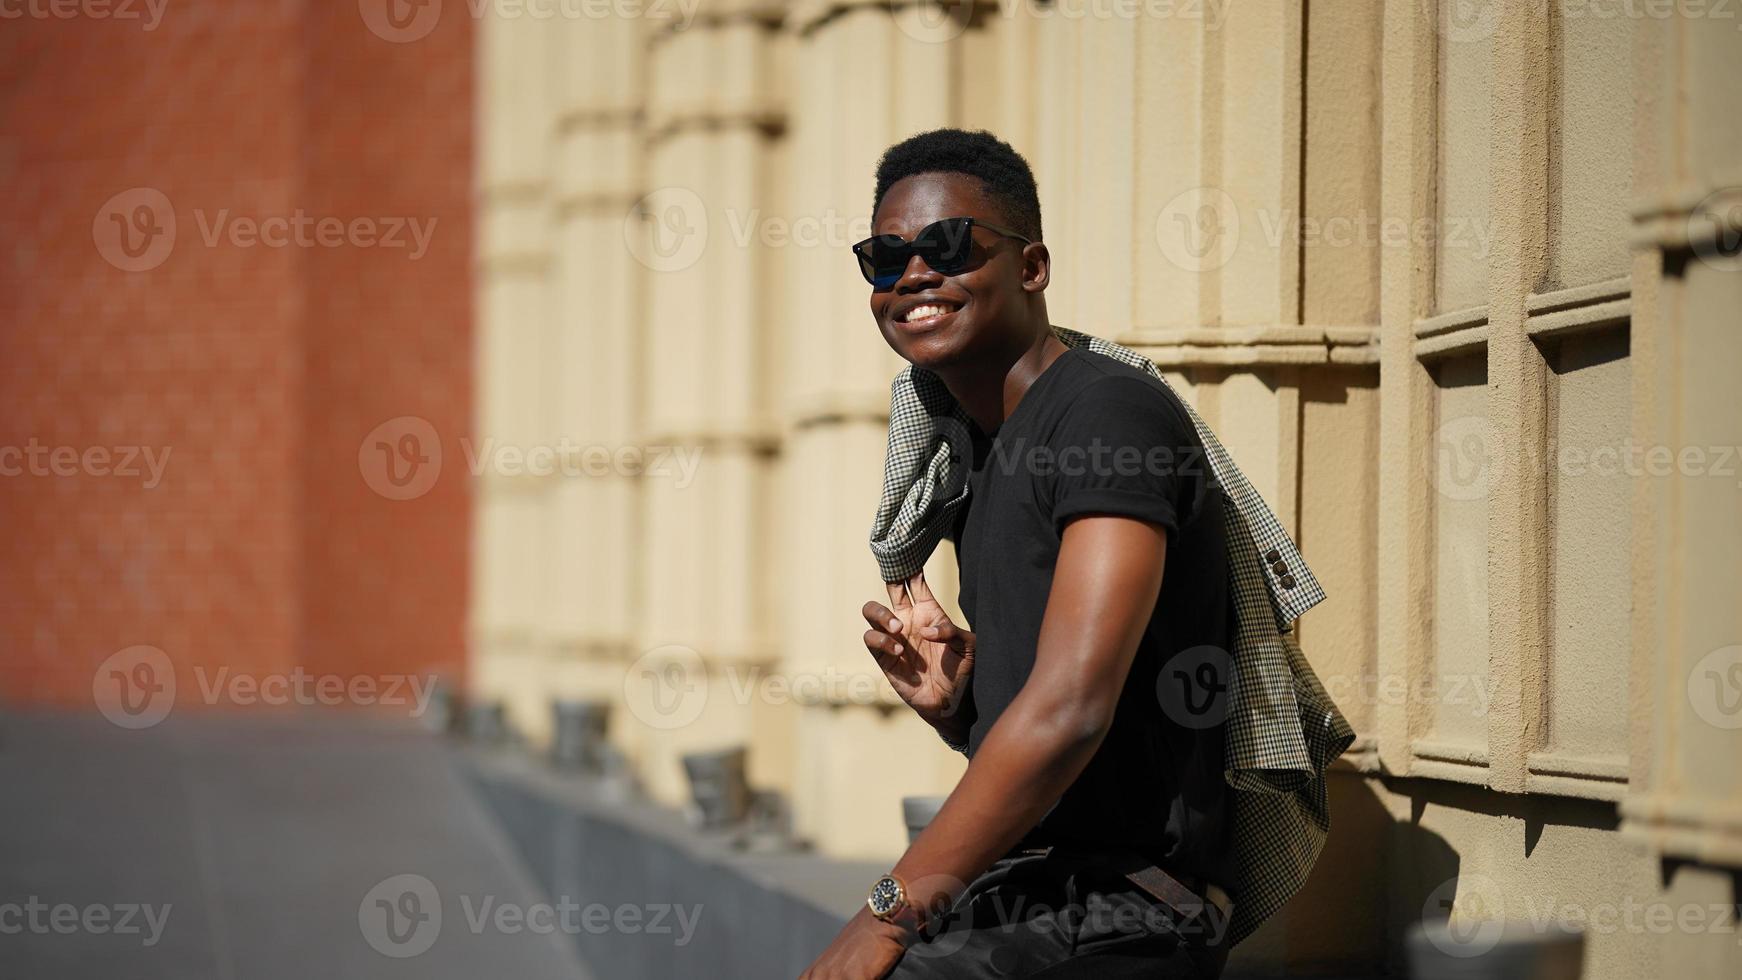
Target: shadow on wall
{"type": "Point", "coordinates": [1336, 924]}
{"type": "Point", "coordinates": [1379, 875]}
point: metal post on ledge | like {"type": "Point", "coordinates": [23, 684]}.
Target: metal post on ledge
{"type": "Point", "coordinates": [442, 713]}
{"type": "Point", "coordinates": [719, 787]}
{"type": "Point", "coordinates": [578, 734]}
{"type": "Point", "coordinates": [487, 722]}
{"type": "Point", "coordinates": [918, 811]}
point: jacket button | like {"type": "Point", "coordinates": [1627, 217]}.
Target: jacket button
{"type": "Point", "coordinates": [1288, 581]}
{"type": "Point", "coordinates": [1279, 568]}
{"type": "Point", "coordinates": [1272, 555]}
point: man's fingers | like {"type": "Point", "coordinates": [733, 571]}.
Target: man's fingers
{"type": "Point", "coordinates": [891, 655]}
{"type": "Point", "coordinates": [882, 643]}
{"type": "Point", "coordinates": [899, 600]}
{"type": "Point", "coordinates": [917, 587]}
{"type": "Point", "coordinates": [951, 635]}
{"type": "Point", "coordinates": [879, 616]}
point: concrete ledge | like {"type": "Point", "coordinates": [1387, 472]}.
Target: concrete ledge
{"type": "Point", "coordinates": [754, 915]}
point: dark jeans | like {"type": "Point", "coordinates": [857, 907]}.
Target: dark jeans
{"type": "Point", "coordinates": [1059, 915]}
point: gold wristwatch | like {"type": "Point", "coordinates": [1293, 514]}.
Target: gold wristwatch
{"type": "Point", "coordinates": [890, 902]}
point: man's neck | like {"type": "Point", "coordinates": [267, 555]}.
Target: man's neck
{"type": "Point", "coordinates": [990, 390]}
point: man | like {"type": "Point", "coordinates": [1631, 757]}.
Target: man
{"type": "Point", "coordinates": [1092, 557]}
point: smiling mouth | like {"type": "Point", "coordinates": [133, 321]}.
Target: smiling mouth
{"type": "Point", "coordinates": [925, 315]}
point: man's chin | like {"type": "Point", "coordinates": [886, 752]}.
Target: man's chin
{"type": "Point", "coordinates": [932, 351]}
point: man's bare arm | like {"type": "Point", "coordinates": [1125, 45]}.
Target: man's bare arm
{"type": "Point", "coordinates": [1104, 590]}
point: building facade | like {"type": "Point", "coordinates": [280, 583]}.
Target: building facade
{"type": "Point", "coordinates": [1457, 284]}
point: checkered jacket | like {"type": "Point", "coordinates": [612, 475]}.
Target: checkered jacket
{"type": "Point", "coordinates": [1282, 728]}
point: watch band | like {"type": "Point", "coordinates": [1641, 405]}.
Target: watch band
{"type": "Point", "coordinates": [908, 916]}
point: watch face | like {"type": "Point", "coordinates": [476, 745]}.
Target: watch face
{"type": "Point", "coordinates": [885, 896]}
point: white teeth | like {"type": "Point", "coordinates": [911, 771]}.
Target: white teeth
{"type": "Point", "coordinates": [921, 312]}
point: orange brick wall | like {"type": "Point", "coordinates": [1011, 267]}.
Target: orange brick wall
{"type": "Point", "coordinates": [259, 370]}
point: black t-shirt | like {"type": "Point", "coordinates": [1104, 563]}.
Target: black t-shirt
{"type": "Point", "coordinates": [1093, 435]}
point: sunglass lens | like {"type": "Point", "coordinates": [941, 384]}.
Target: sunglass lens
{"type": "Point", "coordinates": [889, 255]}
{"type": "Point", "coordinates": [946, 244]}
{"type": "Point", "coordinates": [950, 244]}
{"type": "Point", "coordinates": [866, 267]}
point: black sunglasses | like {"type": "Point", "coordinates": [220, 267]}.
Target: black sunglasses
{"type": "Point", "coordinates": [945, 245]}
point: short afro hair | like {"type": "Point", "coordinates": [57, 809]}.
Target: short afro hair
{"type": "Point", "coordinates": [1001, 170]}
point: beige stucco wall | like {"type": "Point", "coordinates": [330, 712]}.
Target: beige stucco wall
{"type": "Point", "coordinates": [1398, 255]}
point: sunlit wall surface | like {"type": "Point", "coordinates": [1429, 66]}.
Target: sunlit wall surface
{"type": "Point", "coordinates": [1428, 271]}
{"type": "Point", "coordinates": [518, 344]}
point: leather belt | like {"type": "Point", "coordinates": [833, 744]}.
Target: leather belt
{"type": "Point", "coordinates": [1188, 901]}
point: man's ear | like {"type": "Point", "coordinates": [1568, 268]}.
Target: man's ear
{"type": "Point", "coordinates": [1036, 267]}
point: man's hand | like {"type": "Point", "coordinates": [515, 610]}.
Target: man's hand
{"type": "Point", "coordinates": [927, 658]}
{"type": "Point", "coordinates": [865, 949]}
